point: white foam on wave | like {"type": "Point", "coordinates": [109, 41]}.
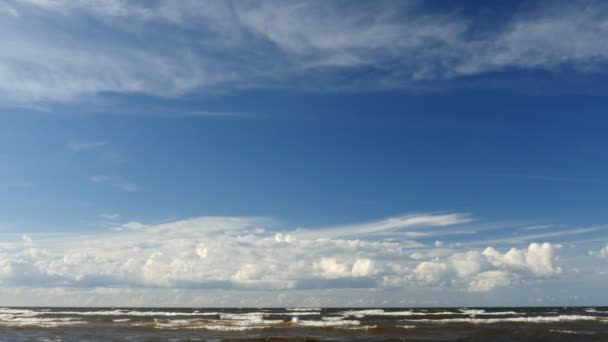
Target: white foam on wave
{"type": "Point", "coordinates": [363, 327]}
{"type": "Point", "coordinates": [198, 324]}
{"type": "Point", "coordinates": [23, 317]}
{"type": "Point", "coordinates": [323, 324]}
{"type": "Point", "coordinates": [572, 332]}
{"type": "Point", "coordinates": [21, 312]}
{"type": "Point", "coordinates": [121, 320]}
{"type": "Point", "coordinates": [485, 313]}
{"type": "Point", "coordinates": [248, 321]}
{"type": "Point", "coordinates": [248, 317]}
{"type": "Point", "coordinates": [380, 312]}
{"type": "Point", "coordinates": [130, 313]}
{"type": "Point", "coordinates": [38, 322]}
{"type": "Point", "coordinates": [303, 309]}
{"type": "Point", "coordinates": [594, 310]}
{"type": "Point", "coordinates": [535, 319]}
{"type": "Point", "coordinates": [117, 312]}
{"type": "Point", "coordinates": [295, 313]}
{"type": "Point", "coordinates": [219, 327]}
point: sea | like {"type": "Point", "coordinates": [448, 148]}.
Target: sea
{"type": "Point", "coordinates": [303, 324]}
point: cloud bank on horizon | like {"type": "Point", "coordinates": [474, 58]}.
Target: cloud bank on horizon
{"type": "Point", "coordinates": [173, 48]}
{"type": "Point", "coordinates": [251, 256]}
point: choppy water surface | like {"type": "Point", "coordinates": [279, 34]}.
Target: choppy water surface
{"type": "Point", "coordinates": [303, 324]}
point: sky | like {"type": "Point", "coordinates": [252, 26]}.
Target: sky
{"type": "Point", "coordinates": [319, 153]}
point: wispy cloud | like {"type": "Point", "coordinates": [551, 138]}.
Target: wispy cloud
{"type": "Point", "coordinates": [521, 239]}
{"type": "Point", "coordinates": [322, 45]}
{"type": "Point", "coordinates": [6, 8]}
{"type": "Point", "coordinates": [392, 225]}
{"type": "Point", "coordinates": [112, 216]}
{"type": "Point", "coordinates": [537, 227]}
{"type": "Point", "coordinates": [116, 181]}
{"type": "Point", "coordinates": [101, 148]}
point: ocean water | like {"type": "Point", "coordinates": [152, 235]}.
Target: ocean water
{"type": "Point", "coordinates": [304, 324]}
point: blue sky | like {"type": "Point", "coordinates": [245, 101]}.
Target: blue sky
{"type": "Point", "coordinates": [399, 152]}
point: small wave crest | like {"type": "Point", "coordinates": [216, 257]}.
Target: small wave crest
{"type": "Point", "coordinates": [535, 319]}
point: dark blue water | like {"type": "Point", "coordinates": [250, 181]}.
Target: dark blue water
{"type": "Point", "coordinates": [306, 324]}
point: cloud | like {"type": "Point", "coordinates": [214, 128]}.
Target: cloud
{"type": "Point", "coordinates": [542, 236]}
{"type": "Point", "coordinates": [116, 181]}
{"type": "Point", "coordinates": [112, 216]}
{"type": "Point", "coordinates": [389, 225]}
{"type": "Point", "coordinates": [6, 8]}
{"type": "Point", "coordinates": [172, 48]}
{"type": "Point", "coordinates": [602, 253]}
{"type": "Point", "coordinates": [246, 254]}
{"type": "Point", "coordinates": [484, 271]}
{"type": "Point", "coordinates": [101, 148]}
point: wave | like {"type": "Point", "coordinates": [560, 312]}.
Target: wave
{"type": "Point", "coordinates": [121, 320]}
{"type": "Point", "coordinates": [38, 322]}
{"type": "Point", "coordinates": [479, 312]}
{"type": "Point", "coordinates": [296, 313]}
{"type": "Point", "coordinates": [571, 332]}
{"type": "Point", "coordinates": [535, 319]}
{"type": "Point", "coordinates": [242, 324]}
{"type": "Point", "coordinates": [117, 312]}
{"type": "Point", "coordinates": [323, 324]}
{"type": "Point", "coordinates": [381, 312]}
{"type": "Point", "coordinates": [131, 313]}
{"type": "Point", "coordinates": [303, 309]}
{"type": "Point", "coordinates": [241, 320]}
{"type": "Point", "coordinates": [594, 310]}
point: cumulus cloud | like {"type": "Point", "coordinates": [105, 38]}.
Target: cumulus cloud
{"type": "Point", "coordinates": [237, 254]}
{"type": "Point", "coordinates": [171, 48]}
{"type": "Point", "coordinates": [484, 271]}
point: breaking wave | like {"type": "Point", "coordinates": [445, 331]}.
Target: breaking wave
{"type": "Point", "coordinates": [294, 318]}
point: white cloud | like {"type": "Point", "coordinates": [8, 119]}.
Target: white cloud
{"type": "Point", "coordinates": [431, 272]}
{"type": "Point", "coordinates": [490, 269]}
{"type": "Point", "coordinates": [6, 8]}
{"type": "Point", "coordinates": [233, 253]}
{"type": "Point", "coordinates": [602, 253]}
{"type": "Point", "coordinates": [487, 281]}
{"type": "Point", "coordinates": [567, 231]}
{"type": "Point", "coordinates": [314, 45]}
{"type": "Point", "coordinates": [391, 225]}
{"type": "Point", "coordinates": [112, 216]}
